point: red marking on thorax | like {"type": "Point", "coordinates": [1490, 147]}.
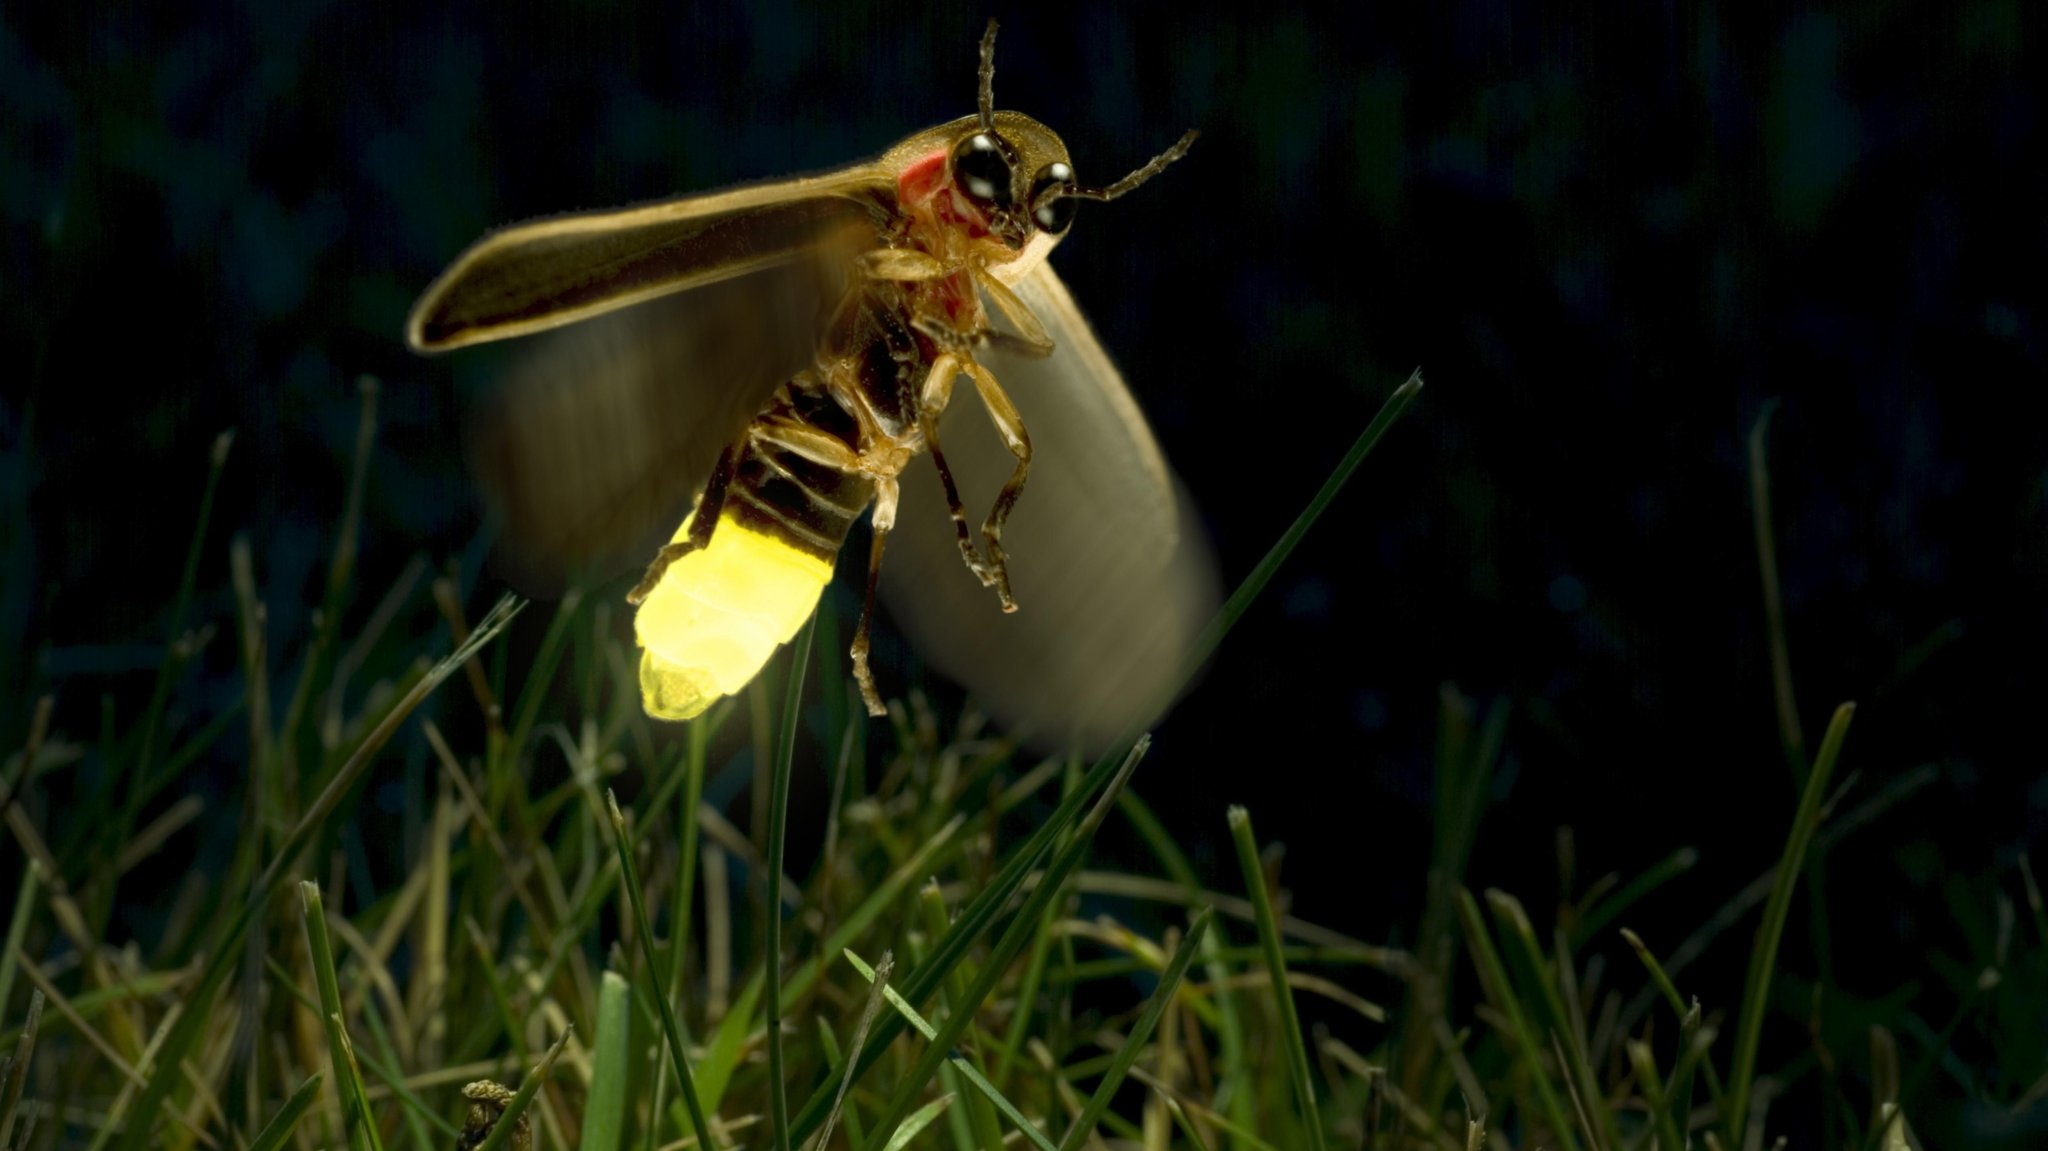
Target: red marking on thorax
{"type": "Point", "coordinates": [936, 213]}
{"type": "Point", "coordinates": [917, 183]}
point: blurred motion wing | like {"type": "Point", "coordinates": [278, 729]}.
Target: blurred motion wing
{"type": "Point", "coordinates": [600, 433]}
{"type": "Point", "coordinates": [1112, 574]}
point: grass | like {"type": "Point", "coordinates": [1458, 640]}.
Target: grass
{"type": "Point", "coordinates": [927, 981]}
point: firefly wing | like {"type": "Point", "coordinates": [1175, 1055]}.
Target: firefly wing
{"type": "Point", "coordinates": [1111, 571]}
{"type": "Point", "coordinates": [651, 336]}
{"type": "Point", "coordinates": [593, 439]}
{"type": "Point", "coordinates": [553, 271]}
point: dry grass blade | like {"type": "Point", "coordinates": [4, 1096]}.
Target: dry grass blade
{"type": "Point", "coordinates": [14, 1072]}
{"type": "Point", "coordinates": [876, 989]}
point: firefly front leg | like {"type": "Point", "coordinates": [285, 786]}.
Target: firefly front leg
{"type": "Point", "coordinates": [883, 520]}
{"type": "Point", "coordinates": [708, 509]}
{"type": "Point", "coordinates": [1010, 426]}
{"type": "Point", "coordinates": [931, 404]}
{"type": "Point", "coordinates": [1030, 338]}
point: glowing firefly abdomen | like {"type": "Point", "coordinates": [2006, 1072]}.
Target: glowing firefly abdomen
{"type": "Point", "coordinates": [719, 612]}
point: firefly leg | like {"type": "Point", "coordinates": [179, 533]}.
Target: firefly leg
{"type": "Point", "coordinates": [1011, 426]}
{"type": "Point", "coordinates": [1030, 338]}
{"type": "Point", "coordinates": [931, 404]}
{"type": "Point", "coordinates": [904, 265]}
{"type": "Point", "coordinates": [708, 509]}
{"type": "Point", "coordinates": [884, 519]}
{"type": "Point", "coordinates": [832, 452]}
{"type": "Point", "coordinates": [809, 443]}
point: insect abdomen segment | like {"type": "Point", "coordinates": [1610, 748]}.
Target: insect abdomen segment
{"type": "Point", "coordinates": [718, 612]}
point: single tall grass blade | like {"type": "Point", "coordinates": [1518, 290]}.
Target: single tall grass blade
{"type": "Point", "coordinates": [778, 835]}
{"type": "Point", "coordinates": [1764, 956]}
{"type": "Point", "coordinates": [280, 1127]}
{"type": "Point", "coordinates": [604, 1109]}
{"type": "Point", "coordinates": [1276, 971]}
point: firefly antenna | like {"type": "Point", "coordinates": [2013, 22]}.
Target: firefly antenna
{"type": "Point", "coordinates": [1153, 167]}
{"type": "Point", "coordinates": [988, 77]}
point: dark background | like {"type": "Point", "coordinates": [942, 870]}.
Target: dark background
{"type": "Point", "coordinates": [1609, 239]}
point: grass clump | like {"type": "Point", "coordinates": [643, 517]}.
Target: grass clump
{"type": "Point", "coordinates": [920, 976]}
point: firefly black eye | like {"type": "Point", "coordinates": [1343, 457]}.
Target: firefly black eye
{"type": "Point", "coordinates": [1056, 214]}
{"type": "Point", "coordinates": [981, 170]}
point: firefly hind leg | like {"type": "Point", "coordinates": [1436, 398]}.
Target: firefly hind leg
{"type": "Point", "coordinates": [883, 520]}
{"type": "Point", "coordinates": [708, 509]}
{"type": "Point", "coordinates": [931, 404]}
{"type": "Point", "coordinates": [1010, 426]}
{"type": "Point", "coordinates": [812, 444]}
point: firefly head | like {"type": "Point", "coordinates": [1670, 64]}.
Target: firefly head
{"type": "Point", "coordinates": [1016, 173]}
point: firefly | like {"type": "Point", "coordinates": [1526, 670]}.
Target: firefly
{"type": "Point", "coordinates": [773, 361]}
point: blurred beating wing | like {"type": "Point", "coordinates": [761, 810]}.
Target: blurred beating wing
{"type": "Point", "coordinates": [661, 329]}
{"type": "Point", "coordinates": [599, 434]}
{"type": "Point", "coordinates": [1112, 574]}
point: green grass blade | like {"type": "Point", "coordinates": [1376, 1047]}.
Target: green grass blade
{"type": "Point", "coordinates": [959, 1064]}
{"type": "Point", "coordinates": [778, 829]}
{"type": "Point", "coordinates": [1134, 1043]}
{"type": "Point", "coordinates": [1790, 736]}
{"type": "Point", "coordinates": [1493, 980]}
{"type": "Point", "coordinates": [604, 1112]}
{"type": "Point", "coordinates": [541, 674]}
{"type": "Point", "coordinates": [1234, 1090]}
{"type": "Point", "coordinates": [916, 1123]}
{"type": "Point", "coordinates": [1609, 909]}
{"type": "Point", "coordinates": [1944, 1043]}
{"type": "Point", "coordinates": [228, 945]}
{"type": "Point", "coordinates": [878, 980]}
{"type": "Point", "coordinates": [1694, 1042]}
{"type": "Point", "coordinates": [346, 1084]}
{"type": "Point", "coordinates": [385, 1073]}
{"type": "Point", "coordinates": [341, 566]}
{"type": "Point", "coordinates": [1022, 927]}
{"type": "Point", "coordinates": [372, 1137]}
{"type": "Point", "coordinates": [969, 926]}
{"type": "Point", "coordinates": [220, 957]}
{"type": "Point", "coordinates": [1240, 600]}
{"type": "Point", "coordinates": [508, 1119]}
{"type": "Point", "coordinates": [1764, 956]}
{"type": "Point", "coordinates": [1027, 996]}
{"type": "Point", "coordinates": [188, 580]}
{"type": "Point", "coordinates": [421, 1137]}
{"type": "Point", "coordinates": [723, 1052]}
{"type": "Point", "coordinates": [279, 1128]}
{"type": "Point", "coordinates": [977, 1114]}
{"type": "Point", "coordinates": [17, 928]}
{"type": "Point", "coordinates": [1652, 1086]}
{"type": "Point", "coordinates": [1564, 1030]}
{"type": "Point", "coordinates": [629, 878]}
{"type": "Point", "coordinates": [697, 743]}
{"type": "Point", "coordinates": [1276, 969]}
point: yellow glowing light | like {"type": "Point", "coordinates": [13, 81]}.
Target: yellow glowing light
{"type": "Point", "coordinates": [710, 625]}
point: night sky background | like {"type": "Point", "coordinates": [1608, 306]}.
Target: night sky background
{"type": "Point", "coordinates": [1610, 239]}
